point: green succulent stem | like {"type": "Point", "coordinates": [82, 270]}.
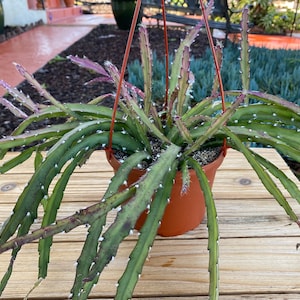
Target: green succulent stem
{"type": "Point", "coordinates": [146, 238]}
{"type": "Point", "coordinates": [213, 229]}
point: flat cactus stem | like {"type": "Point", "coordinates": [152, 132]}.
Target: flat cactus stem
{"type": "Point", "coordinates": [152, 128]}
{"type": "Point", "coordinates": [184, 81]}
{"type": "Point", "coordinates": [86, 259]}
{"type": "Point", "coordinates": [245, 60]}
{"type": "Point", "coordinates": [288, 184]}
{"type": "Point", "coordinates": [20, 158]}
{"type": "Point", "coordinates": [43, 92]}
{"type": "Point", "coordinates": [51, 207]}
{"type": "Point", "coordinates": [213, 230]}
{"type": "Point", "coordinates": [26, 210]}
{"type": "Point", "coordinates": [125, 220]}
{"type": "Point", "coordinates": [35, 135]}
{"type": "Point", "coordinates": [82, 217]}
{"type": "Point", "coordinates": [116, 78]}
{"type": "Point", "coordinates": [20, 97]}
{"type": "Point", "coordinates": [183, 130]}
{"type": "Point", "coordinates": [186, 179]}
{"type": "Point", "coordinates": [176, 66]}
{"type": "Point", "coordinates": [268, 136]}
{"type": "Point", "coordinates": [146, 58]}
{"type": "Point", "coordinates": [135, 126]}
{"type": "Point", "coordinates": [265, 178]}
{"type": "Point", "coordinates": [13, 109]}
{"type": "Point", "coordinates": [90, 65]}
{"type": "Point", "coordinates": [260, 112]}
{"type": "Point", "coordinates": [89, 250]}
{"type": "Point", "coordinates": [198, 108]}
{"type": "Point", "coordinates": [217, 123]}
{"type": "Point", "coordinates": [9, 270]}
{"type": "Point", "coordinates": [147, 235]}
{"type": "Point", "coordinates": [113, 76]}
{"type": "Point", "coordinates": [268, 98]}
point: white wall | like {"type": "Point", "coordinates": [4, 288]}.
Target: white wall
{"type": "Point", "coordinates": [16, 13]}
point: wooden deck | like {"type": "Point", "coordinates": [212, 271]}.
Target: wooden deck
{"type": "Point", "coordinates": [258, 255]}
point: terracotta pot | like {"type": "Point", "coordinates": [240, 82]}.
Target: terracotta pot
{"type": "Point", "coordinates": [69, 3]}
{"type": "Point", "coordinates": [184, 212]}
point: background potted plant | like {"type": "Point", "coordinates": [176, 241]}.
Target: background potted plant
{"type": "Point", "coordinates": [178, 129]}
{"type": "Point", "coordinates": [1, 18]}
{"type": "Point", "coordinates": [123, 13]}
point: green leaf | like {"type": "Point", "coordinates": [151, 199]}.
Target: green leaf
{"type": "Point", "coordinates": [51, 208]}
{"type": "Point", "coordinates": [38, 159]}
{"type": "Point", "coordinates": [146, 58]}
{"type": "Point", "coordinates": [152, 128]}
{"type": "Point", "coordinates": [213, 230]}
{"type": "Point", "coordinates": [147, 235]}
{"type": "Point", "coordinates": [19, 159]}
{"type": "Point", "coordinates": [215, 126]}
{"type": "Point", "coordinates": [265, 178]}
{"type": "Point", "coordinates": [289, 185]}
{"type": "Point", "coordinates": [90, 247]}
{"type": "Point", "coordinates": [125, 219]}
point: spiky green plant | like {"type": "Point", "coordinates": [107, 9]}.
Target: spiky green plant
{"type": "Point", "coordinates": [281, 78]}
{"type": "Point", "coordinates": [181, 130]}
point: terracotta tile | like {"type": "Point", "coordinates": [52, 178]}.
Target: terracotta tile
{"type": "Point", "coordinates": [36, 47]}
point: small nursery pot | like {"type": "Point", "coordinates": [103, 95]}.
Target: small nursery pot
{"type": "Point", "coordinates": [185, 211]}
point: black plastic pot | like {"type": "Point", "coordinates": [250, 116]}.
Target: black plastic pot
{"type": "Point", "coordinates": [1, 18]}
{"type": "Point", "coordinates": [123, 11]}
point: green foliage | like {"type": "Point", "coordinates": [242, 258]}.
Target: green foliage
{"type": "Point", "coordinates": [179, 129]}
{"type": "Point", "coordinates": [280, 76]}
{"type": "Point", "coordinates": [265, 15]}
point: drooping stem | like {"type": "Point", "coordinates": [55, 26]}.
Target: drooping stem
{"type": "Point", "coordinates": [122, 72]}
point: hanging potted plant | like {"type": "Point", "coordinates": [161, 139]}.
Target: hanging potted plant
{"type": "Point", "coordinates": [157, 140]}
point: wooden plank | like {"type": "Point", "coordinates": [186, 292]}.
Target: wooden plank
{"type": "Point", "coordinates": [256, 210]}
{"type": "Point", "coordinates": [268, 296]}
{"type": "Point", "coordinates": [248, 218]}
{"type": "Point", "coordinates": [96, 163]}
{"type": "Point", "coordinates": [258, 245]}
{"type": "Point", "coordinates": [175, 267]}
{"type": "Point", "coordinates": [234, 160]}
{"type": "Point", "coordinates": [234, 180]}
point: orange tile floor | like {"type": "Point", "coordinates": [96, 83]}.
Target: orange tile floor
{"type": "Point", "coordinates": [36, 47]}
